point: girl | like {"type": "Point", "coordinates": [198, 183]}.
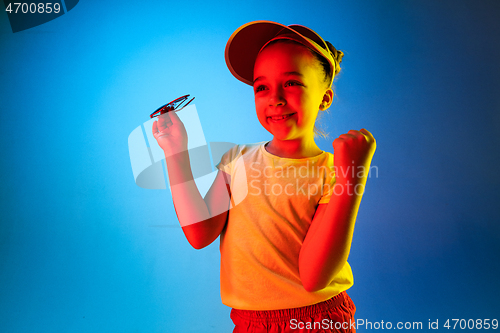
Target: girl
{"type": "Point", "coordinates": [284, 209]}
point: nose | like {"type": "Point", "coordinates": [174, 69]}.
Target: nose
{"type": "Point", "coordinates": [276, 98]}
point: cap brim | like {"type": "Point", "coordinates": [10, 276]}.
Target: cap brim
{"type": "Point", "coordinates": [244, 45]}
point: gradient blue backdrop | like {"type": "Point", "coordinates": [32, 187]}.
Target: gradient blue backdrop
{"type": "Point", "coordinates": [83, 249]}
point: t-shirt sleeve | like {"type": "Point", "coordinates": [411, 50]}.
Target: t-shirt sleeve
{"type": "Point", "coordinates": [327, 192]}
{"type": "Point", "coordinates": [227, 159]}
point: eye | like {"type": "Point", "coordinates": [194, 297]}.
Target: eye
{"type": "Point", "coordinates": [260, 88]}
{"type": "Point", "coordinates": [293, 83]}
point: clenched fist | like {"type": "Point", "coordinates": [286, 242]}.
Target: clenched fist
{"type": "Point", "coordinates": [353, 154]}
{"type": "Point", "coordinates": [170, 133]}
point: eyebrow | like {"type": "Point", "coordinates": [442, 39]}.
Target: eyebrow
{"type": "Point", "coordinates": [286, 73]}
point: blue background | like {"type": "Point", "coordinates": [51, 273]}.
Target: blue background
{"type": "Point", "coordinates": [84, 249]}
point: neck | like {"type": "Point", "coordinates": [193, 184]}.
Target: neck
{"type": "Point", "coordinates": [296, 148]}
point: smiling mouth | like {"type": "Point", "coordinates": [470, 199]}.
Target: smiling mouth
{"type": "Point", "coordinates": [279, 118]}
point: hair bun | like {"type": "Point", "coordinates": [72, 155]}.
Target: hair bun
{"type": "Point", "coordinates": [337, 55]}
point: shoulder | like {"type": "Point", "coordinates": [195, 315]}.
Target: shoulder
{"type": "Point", "coordinates": [234, 152]}
{"type": "Point", "coordinates": [245, 149]}
{"type": "Point", "coordinates": [251, 147]}
{"type": "Point", "coordinates": [326, 166]}
{"type": "Point", "coordinates": [326, 159]}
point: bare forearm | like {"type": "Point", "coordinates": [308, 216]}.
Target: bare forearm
{"type": "Point", "coordinates": [326, 247]}
{"type": "Point", "coordinates": [189, 204]}
{"type": "Point", "coordinates": [328, 241]}
{"type": "Point", "coordinates": [201, 221]}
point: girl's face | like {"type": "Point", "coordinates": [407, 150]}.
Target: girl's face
{"type": "Point", "coordinates": [289, 90]}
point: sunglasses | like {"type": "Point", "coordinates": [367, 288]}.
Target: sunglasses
{"type": "Point", "coordinates": [175, 105]}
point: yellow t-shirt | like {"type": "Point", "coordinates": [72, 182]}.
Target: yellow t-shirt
{"type": "Point", "coordinates": [273, 201]}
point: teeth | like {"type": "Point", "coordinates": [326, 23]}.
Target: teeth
{"type": "Point", "coordinates": [280, 117]}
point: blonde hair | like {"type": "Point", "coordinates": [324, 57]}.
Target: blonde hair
{"type": "Point", "coordinates": [337, 57]}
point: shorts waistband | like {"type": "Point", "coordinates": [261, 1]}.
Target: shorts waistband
{"type": "Point", "coordinates": [286, 314]}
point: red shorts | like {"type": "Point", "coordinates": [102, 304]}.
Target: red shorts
{"type": "Point", "coordinates": [333, 315]}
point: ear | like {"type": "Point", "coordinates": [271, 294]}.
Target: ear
{"type": "Point", "coordinates": [327, 99]}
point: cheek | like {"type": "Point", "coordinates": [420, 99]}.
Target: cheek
{"type": "Point", "coordinates": [260, 109]}
{"type": "Point", "coordinates": [310, 102]}
{"type": "Point", "coordinates": [298, 97]}
{"type": "Point", "coordinates": [258, 105]}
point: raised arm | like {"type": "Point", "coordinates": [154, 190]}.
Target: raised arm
{"type": "Point", "coordinates": [201, 219]}
{"type": "Point", "coordinates": [328, 241]}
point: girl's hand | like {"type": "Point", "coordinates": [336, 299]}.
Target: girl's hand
{"type": "Point", "coordinates": [170, 133]}
{"type": "Point", "coordinates": [353, 154]}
